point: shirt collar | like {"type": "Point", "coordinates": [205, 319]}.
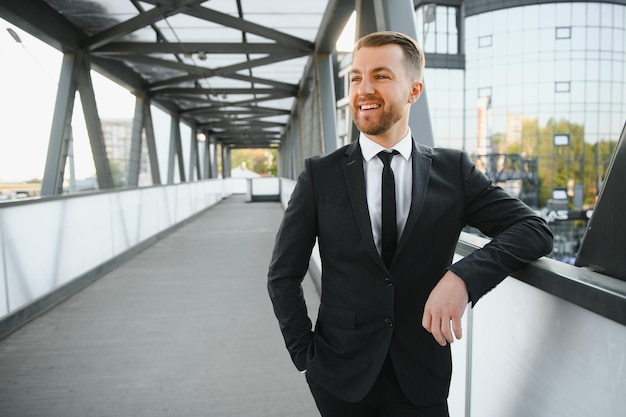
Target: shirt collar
{"type": "Point", "coordinates": [370, 149]}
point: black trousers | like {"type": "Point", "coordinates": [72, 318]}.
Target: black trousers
{"type": "Point", "coordinates": [386, 399]}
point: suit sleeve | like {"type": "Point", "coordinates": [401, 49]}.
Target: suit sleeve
{"type": "Point", "coordinates": [518, 235]}
{"type": "Point", "coordinates": [290, 261]}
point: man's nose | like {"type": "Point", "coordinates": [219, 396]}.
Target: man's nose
{"type": "Point", "coordinates": [365, 87]}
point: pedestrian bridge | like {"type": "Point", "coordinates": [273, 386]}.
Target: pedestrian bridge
{"type": "Point", "coordinates": [153, 302]}
{"type": "Point", "coordinates": [184, 327]}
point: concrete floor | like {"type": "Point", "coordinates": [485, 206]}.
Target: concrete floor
{"type": "Point", "coordinates": [183, 329]}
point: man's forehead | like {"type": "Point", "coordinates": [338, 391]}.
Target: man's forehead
{"type": "Point", "coordinates": [391, 51]}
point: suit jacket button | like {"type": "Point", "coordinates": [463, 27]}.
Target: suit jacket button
{"type": "Point", "coordinates": [389, 282]}
{"type": "Point", "coordinates": [389, 322]}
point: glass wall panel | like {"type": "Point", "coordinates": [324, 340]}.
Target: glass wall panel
{"type": "Point", "coordinates": [563, 14]}
{"type": "Point", "coordinates": [537, 70]}
{"type": "Point", "coordinates": [593, 14]}
{"type": "Point", "coordinates": [619, 16]}
{"type": "Point", "coordinates": [549, 67]}
{"type": "Point", "coordinates": [446, 107]}
{"type": "Point", "coordinates": [579, 11]}
{"type": "Point", "coordinates": [437, 29]}
{"type": "Point", "coordinates": [618, 38]}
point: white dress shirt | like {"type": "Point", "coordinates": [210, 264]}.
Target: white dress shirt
{"type": "Point", "coordinates": [403, 175]}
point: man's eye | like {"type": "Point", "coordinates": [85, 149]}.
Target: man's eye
{"type": "Point", "coordinates": [355, 79]}
{"type": "Point", "coordinates": [382, 77]}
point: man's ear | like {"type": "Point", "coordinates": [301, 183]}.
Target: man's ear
{"type": "Point", "coordinates": [416, 90]}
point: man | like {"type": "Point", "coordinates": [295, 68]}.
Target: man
{"type": "Point", "coordinates": [391, 300]}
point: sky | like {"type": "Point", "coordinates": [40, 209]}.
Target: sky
{"type": "Point", "coordinates": [28, 83]}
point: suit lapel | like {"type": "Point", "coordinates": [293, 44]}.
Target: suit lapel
{"type": "Point", "coordinates": [355, 183]}
{"type": "Point", "coordinates": [421, 173]}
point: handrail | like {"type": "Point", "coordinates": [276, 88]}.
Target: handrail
{"type": "Point", "coordinates": [591, 290]}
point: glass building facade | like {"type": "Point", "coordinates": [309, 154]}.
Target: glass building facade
{"type": "Point", "coordinates": [535, 91]}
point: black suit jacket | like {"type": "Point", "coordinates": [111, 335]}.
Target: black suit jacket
{"type": "Point", "coordinates": [367, 310]}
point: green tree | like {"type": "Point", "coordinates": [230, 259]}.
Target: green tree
{"type": "Point", "coordinates": [117, 172]}
{"type": "Point", "coordinates": [577, 162]}
{"type": "Point", "coordinates": [263, 161]}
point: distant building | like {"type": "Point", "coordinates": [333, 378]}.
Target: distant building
{"type": "Point", "coordinates": [12, 191]}
{"type": "Point", "coordinates": [534, 59]}
{"type": "Point", "coordinates": [117, 138]}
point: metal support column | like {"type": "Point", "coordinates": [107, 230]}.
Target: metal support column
{"type": "Point", "coordinates": [298, 158]}
{"type": "Point", "coordinates": [399, 16]}
{"type": "Point", "coordinates": [176, 152]}
{"type": "Point", "coordinates": [194, 159]}
{"type": "Point", "coordinates": [285, 160]}
{"type": "Point", "coordinates": [60, 131]}
{"type": "Point", "coordinates": [225, 161]}
{"type": "Point", "coordinates": [151, 143]}
{"type": "Point", "coordinates": [134, 162]}
{"type": "Point", "coordinates": [212, 159]}
{"type": "Point", "coordinates": [94, 127]}
{"type": "Point", "coordinates": [286, 153]}
{"type": "Point", "coordinates": [204, 152]}
{"type": "Point", "coordinates": [215, 153]}
{"type": "Point", "coordinates": [294, 154]}
{"type": "Point", "coordinates": [328, 102]}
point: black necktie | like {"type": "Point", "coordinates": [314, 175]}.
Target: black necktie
{"type": "Point", "coordinates": [389, 225]}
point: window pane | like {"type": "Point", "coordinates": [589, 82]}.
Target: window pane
{"type": "Point", "coordinates": [593, 14]}
{"type": "Point", "coordinates": [563, 14]}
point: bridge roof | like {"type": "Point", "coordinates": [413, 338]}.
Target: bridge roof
{"type": "Point", "coordinates": [232, 68]}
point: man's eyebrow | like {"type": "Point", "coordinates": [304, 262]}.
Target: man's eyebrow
{"type": "Point", "coordinates": [375, 70]}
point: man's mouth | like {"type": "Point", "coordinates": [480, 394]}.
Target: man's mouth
{"type": "Point", "coordinates": [369, 106]}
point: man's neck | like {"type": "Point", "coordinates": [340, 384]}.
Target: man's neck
{"type": "Point", "coordinates": [389, 139]}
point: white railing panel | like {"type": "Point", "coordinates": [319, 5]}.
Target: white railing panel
{"type": "Point", "coordinates": [4, 307]}
{"type": "Point", "coordinates": [134, 217]}
{"type": "Point", "coordinates": [265, 186]}
{"type": "Point", "coordinates": [84, 237]}
{"type": "Point", "coordinates": [31, 250]}
{"type": "Point", "coordinates": [125, 220]}
{"type": "Point", "coordinates": [535, 354]}
{"type": "Point", "coordinates": [458, 385]}
{"type": "Point", "coordinates": [172, 205]}
{"type": "Point", "coordinates": [240, 185]}
{"type": "Point", "coordinates": [45, 244]}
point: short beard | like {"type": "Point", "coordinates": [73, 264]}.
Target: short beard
{"type": "Point", "coordinates": [389, 118]}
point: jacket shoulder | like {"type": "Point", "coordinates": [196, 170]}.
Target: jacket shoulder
{"type": "Point", "coordinates": [331, 157]}
{"type": "Point", "coordinates": [441, 152]}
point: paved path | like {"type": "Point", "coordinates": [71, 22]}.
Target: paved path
{"type": "Point", "coordinates": [183, 329]}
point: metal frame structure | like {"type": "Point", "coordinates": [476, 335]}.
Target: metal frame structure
{"type": "Point", "coordinates": [159, 51]}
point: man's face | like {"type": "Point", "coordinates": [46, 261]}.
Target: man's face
{"type": "Point", "coordinates": [381, 90]}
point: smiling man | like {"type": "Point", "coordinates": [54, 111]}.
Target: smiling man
{"type": "Point", "coordinates": [387, 213]}
{"type": "Point", "coordinates": [383, 85]}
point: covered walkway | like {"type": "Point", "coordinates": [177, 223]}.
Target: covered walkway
{"type": "Point", "coordinates": [183, 329]}
{"type": "Point", "coordinates": [173, 318]}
